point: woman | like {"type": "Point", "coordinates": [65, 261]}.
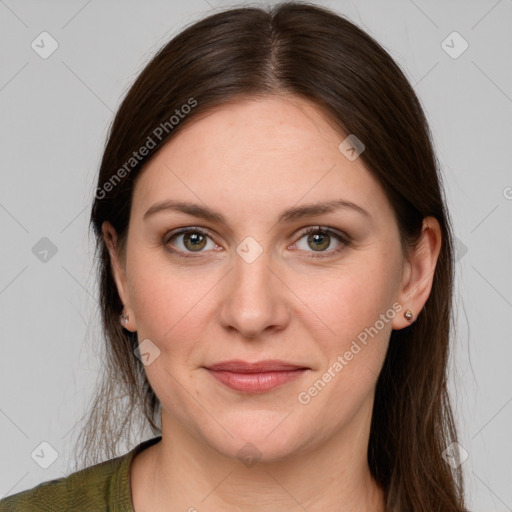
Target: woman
{"type": "Point", "coordinates": [276, 280]}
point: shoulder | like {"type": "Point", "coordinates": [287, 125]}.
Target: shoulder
{"type": "Point", "coordinates": [87, 489]}
{"type": "Point", "coordinates": [102, 487]}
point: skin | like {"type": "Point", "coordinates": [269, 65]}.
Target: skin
{"type": "Point", "coordinates": [250, 161]}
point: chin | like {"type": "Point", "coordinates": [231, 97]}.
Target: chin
{"type": "Point", "coordinates": [260, 437]}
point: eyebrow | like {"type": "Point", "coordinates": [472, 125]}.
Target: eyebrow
{"type": "Point", "coordinates": [293, 213]}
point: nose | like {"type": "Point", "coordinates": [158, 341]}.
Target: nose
{"type": "Point", "coordinates": [254, 298]}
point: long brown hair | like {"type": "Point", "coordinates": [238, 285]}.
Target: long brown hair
{"type": "Point", "coordinates": [311, 52]}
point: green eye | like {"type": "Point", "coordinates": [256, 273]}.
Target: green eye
{"type": "Point", "coordinates": [194, 240]}
{"type": "Point", "coordinates": [319, 238]}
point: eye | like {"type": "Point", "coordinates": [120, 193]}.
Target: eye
{"type": "Point", "coordinates": [193, 240]}
{"type": "Point", "coordinates": [320, 238]}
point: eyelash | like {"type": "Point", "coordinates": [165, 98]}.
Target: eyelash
{"type": "Point", "coordinates": [345, 241]}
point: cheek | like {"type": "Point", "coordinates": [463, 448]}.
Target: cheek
{"type": "Point", "coordinates": [169, 301]}
{"type": "Point", "coordinates": [343, 303]}
{"type": "Point", "coordinates": [352, 339]}
{"type": "Point", "coordinates": [349, 315]}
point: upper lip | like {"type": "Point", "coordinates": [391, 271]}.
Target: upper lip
{"type": "Point", "coordinates": [270, 365]}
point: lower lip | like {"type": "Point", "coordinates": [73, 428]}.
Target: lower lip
{"type": "Point", "coordinates": [255, 382]}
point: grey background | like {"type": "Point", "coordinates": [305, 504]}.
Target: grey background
{"type": "Point", "coordinates": [55, 116]}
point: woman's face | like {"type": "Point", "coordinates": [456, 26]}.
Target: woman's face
{"type": "Point", "coordinates": [256, 287]}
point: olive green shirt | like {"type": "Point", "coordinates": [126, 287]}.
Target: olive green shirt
{"type": "Point", "coordinates": [99, 488]}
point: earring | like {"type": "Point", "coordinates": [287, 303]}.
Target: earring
{"type": "Point", "coordinates": [124, 318]}
{"type": "Point", "coordinates": [408, 314]}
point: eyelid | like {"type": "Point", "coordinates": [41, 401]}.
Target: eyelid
{"type": "Point", "coordinates": [324, 229]}
{"type": "Point", "coordinates": [342, 237]}
{"type": "Point", "coordinates": [182, 231]}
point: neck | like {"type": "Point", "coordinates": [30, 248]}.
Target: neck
{"type": "Point", "coordinates": [183, 473]}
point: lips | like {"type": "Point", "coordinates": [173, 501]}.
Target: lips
{"type": "Point", "coordinates": [239, 366]}
{"type": "Point", "coordinates": [255, 377]}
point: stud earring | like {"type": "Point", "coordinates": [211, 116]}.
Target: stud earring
{"type": "Point", "coordinates": [124, 318]}
{"type": "Point", "coordinates": [408, 314]}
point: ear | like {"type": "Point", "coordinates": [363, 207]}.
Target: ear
{"type": "Point", "coordinates": [418, 272]}
{"type": "Point", "coordinates": [117, 266]}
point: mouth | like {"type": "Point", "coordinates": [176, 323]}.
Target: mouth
{"type": "Point", "coordinates": [256, 377]}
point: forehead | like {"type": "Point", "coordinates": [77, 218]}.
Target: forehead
{"type": "Point", "coordinates": [255, 154]}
